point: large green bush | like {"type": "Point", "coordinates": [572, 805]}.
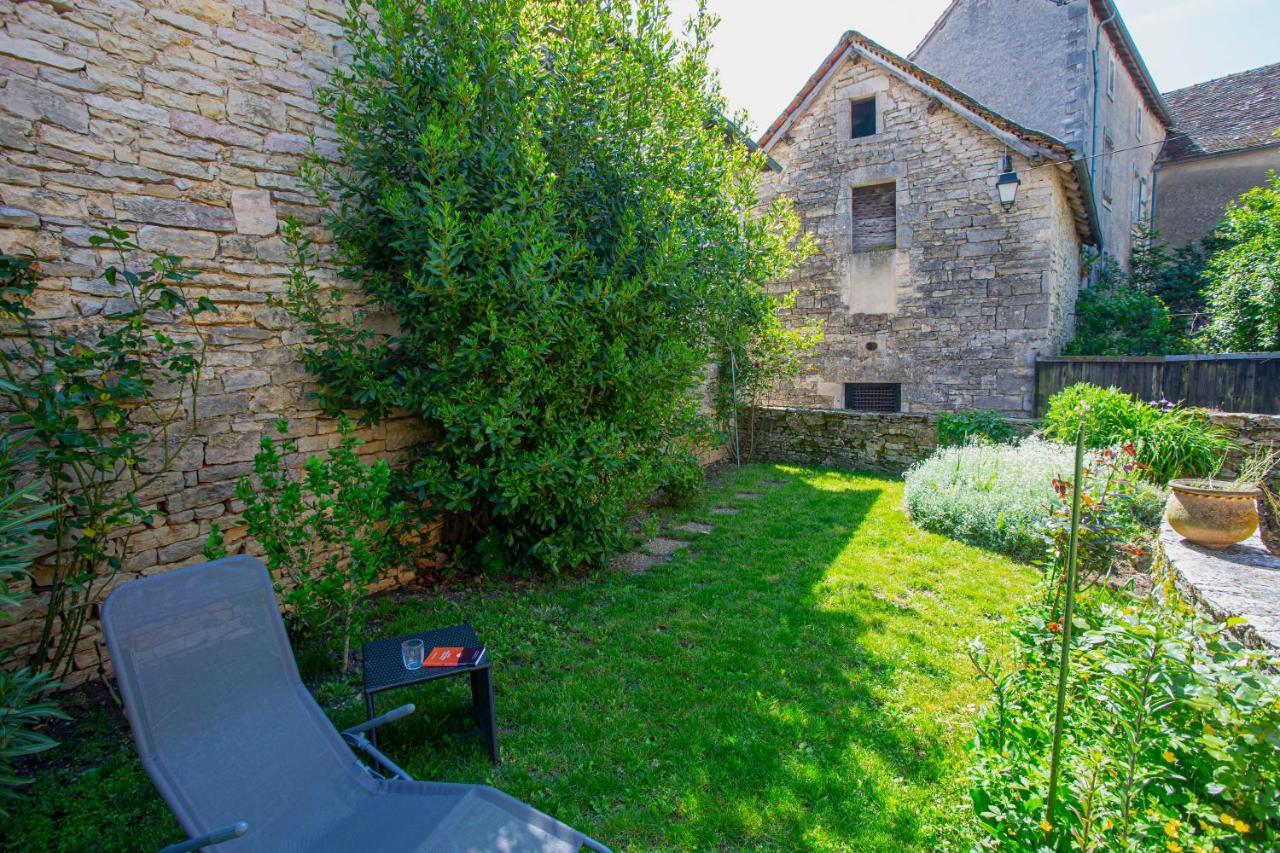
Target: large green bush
{"type": "Point", "coordinates": [1170, 441]}
{"type": "Point", "coordinates": [548, 200]}
{"type": "Point", "coordinates": [1243, 279]}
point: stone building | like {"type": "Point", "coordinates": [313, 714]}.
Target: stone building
{"type": "Point", "coordinates": [934, 297]}
{"type": "Point", "coordinates": [1223, 142]}
{"type": "Point", "coordinates": [183, 122]}
{"type": "Point", "coordinates": [1070, 69]}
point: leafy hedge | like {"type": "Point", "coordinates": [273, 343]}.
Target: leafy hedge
{"type": "Point", "coordinates": [548, 200]}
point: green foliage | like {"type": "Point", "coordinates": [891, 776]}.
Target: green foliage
{"type": "Point", "coordinates": [327, 535]}
{"type": "Point", "coordinates": [1004, 497]}
{"type": "Point", "coordinates": [1170, 742]}
{"type": "Point", "coordinates": [103, 409]}
{"type": "Point", "coordinates": [957, 428]}
{"type": "Point", "coordinates": [1243, 279]}
{"type": "Point", "coordinates": [23, 702]}
{"type": "Point", "coordinates": [549, 202]}
{"type": "Point", "coordinates": [1170, 441]}
{"type": "Point", "coordinates": [1125, 314]}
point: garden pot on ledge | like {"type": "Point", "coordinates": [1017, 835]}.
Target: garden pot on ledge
{"type": "Point", "coordinates": [1213, 513]}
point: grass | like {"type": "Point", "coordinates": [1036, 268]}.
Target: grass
{"type": "Point", "coordinates": [795, 680]}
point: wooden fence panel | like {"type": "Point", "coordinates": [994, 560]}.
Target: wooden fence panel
{"type": "Point", "coordinates": [1244, 382]}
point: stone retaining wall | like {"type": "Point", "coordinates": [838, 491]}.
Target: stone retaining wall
{"type": "Point", "coordinates": [838, 438]}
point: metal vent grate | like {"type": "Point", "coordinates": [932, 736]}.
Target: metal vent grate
{"type": "Point", "coordinates": [873, 396]}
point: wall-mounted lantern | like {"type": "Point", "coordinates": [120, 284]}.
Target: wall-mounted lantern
{"type": "Point", "coordinates": [1007, 183]}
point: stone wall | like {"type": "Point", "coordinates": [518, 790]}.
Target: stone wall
{"type": "Point", "coordinates": [1033, 62]}
{"type": "Point", "coordinates": [838, 438]}
{"type": "Point", "coordinates": [959, 309]}
{"type": "Point", "coordinates": [183, 122]}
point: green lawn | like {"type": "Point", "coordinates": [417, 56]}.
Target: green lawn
{"type": "Point", "coordinates": [795, 680]}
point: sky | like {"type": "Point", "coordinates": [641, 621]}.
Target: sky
{"type": "Point", "coordinates": [766, 49]}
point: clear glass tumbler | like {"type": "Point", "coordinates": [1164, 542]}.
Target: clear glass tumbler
{"type": "Point", "coordinates": [412, 651]}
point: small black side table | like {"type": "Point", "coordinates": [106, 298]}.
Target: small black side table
{"type": "Point", "coordinates": [384, 670]}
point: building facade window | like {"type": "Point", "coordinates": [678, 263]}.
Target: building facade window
{"type": "Point", "coordinates": [862, 118]}
{"type": "Point", "coordinates": [1111, 78]}
{"type": "Point", "coordinates": [873, 396]}
{"type": "Point", "coordinates": [875, 217]}
{"type": "Point", "coordinates": [1137, 122]}
{"type": "Point", "coordinates": [1108, 158]}
{"type": "Point", "coordinates": [1140, 199]}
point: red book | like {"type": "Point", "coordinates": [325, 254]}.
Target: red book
{"type": "Point", "coordinates": [453, 656]}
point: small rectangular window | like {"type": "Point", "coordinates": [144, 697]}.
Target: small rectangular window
{"type": "Point", "coordinates": [1111, 78]}
{"type": "Point", "coordinates": [1137, 122]}
{"type": "Point", "coordinates": [862, 118]}
{"type": "Point", "coordinates": [875, 217]}
{"type": "Point", "coordinates": [1140, 203]}
{"type": "Point", "coordinates": [1108, 155]}
{"type": "Point", "coordinates": [873, 396]}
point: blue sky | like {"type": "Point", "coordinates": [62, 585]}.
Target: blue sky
{"type": "Point", "coordinates": [766, 49]}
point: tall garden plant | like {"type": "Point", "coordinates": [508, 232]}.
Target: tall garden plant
{"type": "Point", "coordinates": [547, 198]}
{"type": "Point", "coordinates": [103, 408]}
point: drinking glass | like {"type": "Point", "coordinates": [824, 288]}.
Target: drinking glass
{"type": "Point", "coordinates": [411, 651]}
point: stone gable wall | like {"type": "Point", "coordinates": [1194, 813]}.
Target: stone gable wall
{"type": "Point", "coordinates": [959, 311]}
{"type": "Point", "coordinates": [183, 122]}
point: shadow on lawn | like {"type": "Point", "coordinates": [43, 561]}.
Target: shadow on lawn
{"type": "Point", "coordinates": [722, 700]}
{"type": "Point", "coordinates": [715, 702]}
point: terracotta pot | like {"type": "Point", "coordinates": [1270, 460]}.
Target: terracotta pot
{"type": "Point", "coordinates": [1269, 521]}
{"type": "Point", "coordinates": [1213, 513]}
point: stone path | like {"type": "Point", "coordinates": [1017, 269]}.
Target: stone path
{"type": "Point", "coordinates": [659, 548]}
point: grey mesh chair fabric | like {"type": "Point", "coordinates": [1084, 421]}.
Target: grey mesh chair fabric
{"type": "Point", "coordinates": [229, 733]}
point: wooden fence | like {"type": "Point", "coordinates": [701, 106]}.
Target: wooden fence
{"type": "Point", "coordinates": [1243, 382]}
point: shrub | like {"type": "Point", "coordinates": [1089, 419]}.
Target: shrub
{"type": "Point", "coordinates": [24, 705]}
{"type": "Point", "coordinates": [1004, 497]}
{"type": "Point", "coordinates": [992, 496]}
{"type": "Point", "coordinates": [1169, 743]}
{"type": "Point", "coordinates": [103, 408]}
{"type": "Point", "coordinates": [981, 425]}
{"type": "Point", "coordinates": [327, 535]}
{"type": "Point", "coordinates": [1243, 278]}
{"type": "Point", "coordinates": [547, 199]}
{"type": "Point", "coordinates": [1125, 314]}
{"type": "Point", "coordinates": [1170, 441]}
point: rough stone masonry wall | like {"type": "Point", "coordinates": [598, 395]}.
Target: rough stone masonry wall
{"type": "Point", "coordinates": [976, 292]}
{"type": "Point", "coordinates": [839, 438]}
{"type": "Point", "coordinates": [183, 122]}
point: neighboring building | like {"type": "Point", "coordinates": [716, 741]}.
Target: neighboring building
{"type": "Point", "coordinates": [934, 297]}
{"type": "Point", "coordinates": [1068, 68]}
{"type": "Point", "coordinates": [1223, 142]}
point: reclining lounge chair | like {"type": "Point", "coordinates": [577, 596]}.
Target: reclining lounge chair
{"type": "Point", "coordinates": [244, 756]}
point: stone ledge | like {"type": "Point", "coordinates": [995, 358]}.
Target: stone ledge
{"type": "Point", "coordinates": [1241, 581]}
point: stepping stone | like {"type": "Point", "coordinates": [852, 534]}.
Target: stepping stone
{"type": "Point", "coordinates": [636, 563]}
{"type": "Point", "coordinates": [695, 527]}
{"type": "Point", "coordinates": [724, 510]}
{"type": "Point", "coordinates": [661, 547]}
{"type": "Point", "coordinates": [773, 482]}
{"type": "Point", "coordinates": [748, 496]}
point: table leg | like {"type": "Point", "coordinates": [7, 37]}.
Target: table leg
{"type": "Point", "coordinates": [482, 704]}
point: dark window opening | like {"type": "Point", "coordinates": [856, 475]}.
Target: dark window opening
{"type": "Point", "coordinates": [873, 396]}
{"type": "Point", "coordinates": [875, 217]}
{"type": "Point", "coordinates": [863, 118]}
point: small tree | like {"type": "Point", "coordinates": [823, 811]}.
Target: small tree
{"type": "Point", "coordinates": [548, 198]}
{"type": "Point", "coordinates": [327, 535]}
{"type": "Point", "coordinates": [1243, 279]}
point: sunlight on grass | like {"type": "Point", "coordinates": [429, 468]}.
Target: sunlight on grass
{"type": "Point", "coordinates": [794, 680]}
